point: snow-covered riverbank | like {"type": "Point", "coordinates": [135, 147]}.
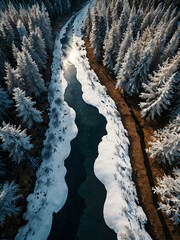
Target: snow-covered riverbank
{"type": "Point", "coordinates": [113, 168]}
{"type": "Point", "coordinates": [50, 191]}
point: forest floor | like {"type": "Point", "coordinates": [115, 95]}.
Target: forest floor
{"type": "Point", "coordinates": [145, 170]}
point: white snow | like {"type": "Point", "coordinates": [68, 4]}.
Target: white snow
{"type": "Point", "coordinates": [50, 191]}
{"type": "Point", "coordinates": [112, 167]}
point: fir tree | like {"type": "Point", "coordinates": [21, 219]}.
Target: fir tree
{"type": "Point", "coordinates": [26, 109]}
{"type": "Point", "coordinates": [28, 70]}
{"type": "Point", "coordinates": [165, 145]}
{"type": "Point", "coordinates": [45, 26]}
{"type": "Point", "coordinates": [169, 190]}
{"type": "Point", "coordinates": [140, 73]}
{"type": "Point", "coordinates": [12, 78]}
{"type": "Point", "coordinates": [15, 141]}
{"type": "Point", "coordinates": [8, 197]}
{"type": "Point", "coordinates": [126, 69]}
{"type": "Point", "coordinates": [21, 29]}
{"type": "Point", "coordinates": [159, 90]}
{"type": "Point", "coordinates": [124, 46]}
{"type": "Point", "coordinates": [98, 32]}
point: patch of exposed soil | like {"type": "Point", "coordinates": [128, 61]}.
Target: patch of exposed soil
{"type": "Point", "coordinates": [145, 170]}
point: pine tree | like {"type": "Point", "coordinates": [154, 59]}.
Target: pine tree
{"type": "Point", "coordinates": [117, 10]}
{"type": "Point", "coordinates": [125, 44]}
{"type": "Point", "coordinates": [172, 46]}
{"type": "Point", "coordinates": [28, 70]}
{"type": "Point", "coordinates": [38, 44]}
{"type": "Point", "coordinates": [140, 73]}
{"type": "Point", "coordinates": [97, 33]}
{"type": "Point", "coordinates": [15, 141]}
{"type": "Point", "coordinates": [26, 109]}
{"type": "Point", "coordinates": [165, 145]}
{"type": "Point", "coordinates": [8, 197]}
{"type": "Point", "coordinates": [21, 29]}
{"type": "Point", "coordinates": [12, 78]}
{"type": "Point", "coordinates": [45, 26]}
{"type": "Point", "coordinates": [111, 46]}
{"type": "Point", "coordinates": [159, 90]}
{"type": "Point", "coordinates": [126, 69]}
{"type": "Point", "coordinates": [169, 190]}
{"type": "Point", "coordinates": [159, 99]}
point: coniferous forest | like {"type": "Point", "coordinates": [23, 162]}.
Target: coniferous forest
{"type": "Point", "coordinates": [137, 41]}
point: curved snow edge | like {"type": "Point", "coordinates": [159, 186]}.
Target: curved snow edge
{"type": "Point", "coordinates": [50, 192]}
{"type": "Point", "coordinates": [112, 167]}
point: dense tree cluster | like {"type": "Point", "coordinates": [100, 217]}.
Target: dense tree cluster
{"type": "Point", "coordinates": [26, 44]}
{"type": "Point", "coordinates": [139, 42]}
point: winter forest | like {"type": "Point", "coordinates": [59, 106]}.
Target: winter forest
{"type": "Point", "coordinates": [136, 41]}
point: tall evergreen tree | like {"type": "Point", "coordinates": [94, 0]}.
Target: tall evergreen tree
{"type": "Point", "coordinates": [124, 46]}
{"type": "Point", "coordinates": [25, 108]}
{"type": "Point", "coordinates": [165, 145]}
{"type": "Point", "coordinates": [15, 141]}
{"type": "Point", "coordinates": [21, 29]}
{"type": "Point", "coordinates": [28, 70]}
{"type": "Point", "coordinates": [140, 73]}
{"type": "Point", "coordinates": [8, 197]}
{"type": "Point", "coordinates": [159, 90]}
{"type": "Point", "coordinates": [169, 190]}
{"type": "Point", "coordinates": [98, 33]}
{"type": "Point", "coordinates": [12, 78]}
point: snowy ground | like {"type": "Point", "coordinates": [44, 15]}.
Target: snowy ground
{"type": "Point", "coordinates": [121, 210]}
{"type": "Point", "coordinates": [50, 191]}
{"type": "Point", "coordinates": [112, 167]}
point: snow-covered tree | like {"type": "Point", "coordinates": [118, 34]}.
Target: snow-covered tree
{"type": "Point", "coordinates": [111, 46]}
{"type": "Point", "coordinates": [25, 108]}
{"type": "Point", "coordinates": [124, 46]}
{"type": "Point", "coordinates": [15, 141]}
{"type": "Point", "coordinates": [165, 145]}
{"type": "Point", "coordinates": [45, 26]}
{"type": "Point", "coordinates": [98, 33]}
{"type": "Point", "coordinates": [12, 78]}
{"type": "Point", "coordinates": [8, 197]}
{"type": "Point", "coordinates": [28, 70]}
{"type": "Point", "coordinates": [117, 10]}
{"type": "Point", "coordinates": [127, 68]}
{"type": "Point", "coordinates": [158, 92]}
{"type": "Point", "coordinates": [169, 190]}
{"type": "Point", "coordinates": [140, 73]}
{"type": "Point", "coordinates": [172, 46]}
{"type": "Point", "coordinates": [21, 29]}
{"type": "Point", "coordinates": [15, 51]}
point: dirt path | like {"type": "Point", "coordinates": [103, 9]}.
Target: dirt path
{"type": "Point", "coordinates": [145, 170]}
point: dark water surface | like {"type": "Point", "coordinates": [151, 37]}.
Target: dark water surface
{"type": "Point", "coordinates": [81, 217]}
